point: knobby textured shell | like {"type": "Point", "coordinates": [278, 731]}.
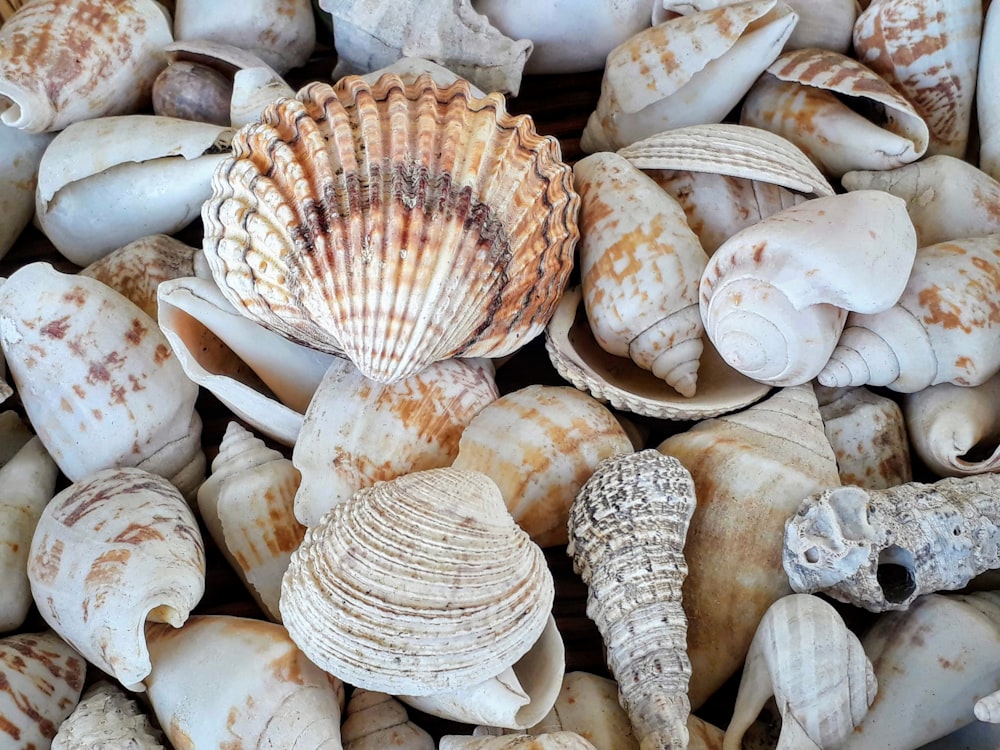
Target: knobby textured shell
{"type": "Point", "coordinates": [418, 585]}
{"type": "Point", "coordinates": [107, 718]}
{"type": "Point", "coordinates": [397, 224]}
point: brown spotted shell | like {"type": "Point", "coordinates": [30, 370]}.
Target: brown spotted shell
{"type": "Point", "coordinates": [396, 223]}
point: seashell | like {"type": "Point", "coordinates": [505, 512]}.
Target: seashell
{"type": "Point", "coordinates": [86, 360]}
{"type": "Point", "coordinates": [370, 35]}
{"type": "Point", "coordinates": [551, 741]}
{"type": "Point", "coordinates": [253, 90]}
{"type": "Point", "coordinates": [110, 553]}
{"type": "Point", "coordinates": [418, 311]}
{"type": "Point", "coordinates": [928, 51]}
{"type": "Point", "coordinates": [220, 680]}
{"type": "Point", "coordinates": [409, 69]}
{"type": "Point", "coordinates": [20, 153]}
{"type": "Point", "coordinates": [515, 698]}
{"type": "Point", "coordinates": [588, 705]}
{"type": "Point", "coordinates": [282, 34]}
{"type": "Point", "coordinates": [868, 436]}
{"type": "Point", "coordinates": [640, 264]}
{"type": "Point", "coordinates": [247, 507]}
{"type": "Point", "coordinates": [774, 296]}
{"type": "Point", "coordinates": [975, 736]}
{"type": "Point", "coordinates": [63, 61]}
{"type": "Point", "coordinates": [189, 91]}
{"type": "Point", "coordinates": [265, 379]}
{"type": "Point", "coordinates": [106, 182]}
{"type": "Point", "coordinates": [626, 536]}
{"type": "Point", "coordinates": [815, 98]}
{"type": "Point", "coordinates": [987, 97]}
{"type": "Point", "coordinates": [689, 70]}
{"type": "Point", "coordinates": [540, 444]}
{"type": "Point", "coordinates": [42, 678]}
{"type": "Point", "coordinates": [987, 708]}
{"type": "Point", "coordinates": [881, 549]}
{"type": "Point", "coordinates": [955, 430]}
{"type": "Point", "coordinates": [580, 360]}
{"type": "Point", "coordinates": [375, 721]}
{"type": "Point", "coordinates": [107, 718]}
{"type": "Point", "coordinates": [941, 330]}
{"type": "Point", "coordinates": [377, 562]}
{"type": "Point", "coordinates": [28, 480]}
{"type": "Point", "coordinates": [137, 269]}
{"type": "Point", "coordinates": [932, 663]}
{"type": "Point", "coordinates": [946, 197]}
{"type": "Point", "coordinates": [567, 39]}
{"type": "Point", "coordinates": [751, 471]}
{"type": "Point", "coordinates": [804, 655]}
{"type": "Point", "coordinates": [357, 432]}
{"type": "Point", "coordinates": [8, 8]}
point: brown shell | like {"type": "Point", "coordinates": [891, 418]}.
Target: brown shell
{"type": "Point", "coordinates": [396, 223]}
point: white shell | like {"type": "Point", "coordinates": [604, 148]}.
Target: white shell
{"type": "Point", "coordinates": [552, 741]}
{"type": "Point", "coordinates": [253, 90]}
{"type": "Point", "coordinates": [374, 721]}
{"type": "Point", "coordinates": [20, 154]}
{"type": "Point", "coordinates": [987, 96]}
{"type": "Point", "coordinates": [110, 552]}
{"type": "Point", "coordinates": [107, 719]}
{"type": "Point", "coordinates": [409, 69]}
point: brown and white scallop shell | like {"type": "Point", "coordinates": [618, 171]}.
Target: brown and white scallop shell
{"type": "Point", "coordinates": [418, 585]}
{"type": "Point", "coordinates": [397, 224]}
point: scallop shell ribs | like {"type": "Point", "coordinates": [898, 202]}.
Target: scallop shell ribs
{"type": "Point", "coordinates": [398, 224]}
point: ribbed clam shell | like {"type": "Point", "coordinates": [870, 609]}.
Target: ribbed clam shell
{"type": "Point", "coordinates": [418, 585]}
{"type": "Point", "coordinates": [398, 224]}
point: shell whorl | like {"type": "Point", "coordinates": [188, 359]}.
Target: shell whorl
{"type": "Point", "coordinates": [239, 451]}
{"type": "Point", "coordinates": [627, 530]}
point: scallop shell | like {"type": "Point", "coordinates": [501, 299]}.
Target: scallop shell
{"type": "Point", "coordinates": [63, 61]}
{"type": "Point", "coordinates": [107, 718]}
{"type": "Point", "coordinates": [627, 529]}
{"type": "Point", "coordinates": [375, 721]}
{"type": "Point", "coordinates": [109, 553]}
{"type": "Point", "coordinates": [312, 228]}
{"type": "Point", "coordinates": [418, 585]}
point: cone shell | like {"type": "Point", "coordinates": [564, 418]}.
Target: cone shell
{"type": "Point", "coordinates": [418, 585]}
{"type": "Point", "coordinates": [62, 61]}
{"type": "Point", "coordinates": [107, 718]}
{"type": "Point", "coordinates": [398, 224]}
{"type": "Point", "coordinates": [109, 553]}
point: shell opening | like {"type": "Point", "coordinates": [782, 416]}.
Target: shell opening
{"type": "Point", "coordinates": [10, 112]}
{"type": "Point", "coordinates": [167, 615]}
{"type": "Point", "coordinates": [895, 574]}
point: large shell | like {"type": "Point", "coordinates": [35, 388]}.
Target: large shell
{"type": "Point", "coordinates": [943, 329]}
{"type": "Point", "coordinates": [62, 61]}
{"type": "Point", "coordinates": [397, 224]}
{"type": "Point", "coordinates": [627, 529]}
{"type": "Point", "coordinates": [20, 154]}
{"type": "Point", "coordinates": [881, 549]}
{"type": "Point", "coordinates": [231, 681]}
{"type": "Point", "coordinates": [751, 471]}
{"type": "Point", "coordinates": [640, 265]}
{"type": "Point", "coordinates": [775, 296]}
{"type": "Point", "coordinates": [418, 585]}
{"type": "Point", "coordinates": [109, 553]}
{"type": "Point", "coordinates": [357, 432]}
{"type": "Point", "coordinates": [107, 718]}
{"type": "Point", "coordinates": [375, 721]}
{"type": "Point", "coordinates": [540, 444]}
{"type": "Point", "coordinates": [987, 95]}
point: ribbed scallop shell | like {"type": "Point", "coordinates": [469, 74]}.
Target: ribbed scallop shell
{"type": "Point", "coordinates": [398, 224]}
{"type": "Point", "coordinates": [418, 585]}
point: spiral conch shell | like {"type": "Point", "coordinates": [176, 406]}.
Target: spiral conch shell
{"type": "Point", "coordinates": [397, 224]}
{"type": "Point", "coordinates": [627, 529]}
{"type": "Point", "coordinates": [641, 265]}
{"type": "Point", "coordinates": [109, 553]}
{"type": "Point", "coordinates": [434, 547]}
{"type": "Point", "coordinates": [774, 297]}
{"type": "Point", "coordinates": [944, 328]}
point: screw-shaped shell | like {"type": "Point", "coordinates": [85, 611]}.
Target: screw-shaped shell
{"type": "Point", "coordinates": [627, 529]}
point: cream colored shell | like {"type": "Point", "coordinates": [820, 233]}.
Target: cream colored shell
{"type": "Point", "coordinates": [375, 721]}
{"type": "Point", "coordinates": [105, 719]}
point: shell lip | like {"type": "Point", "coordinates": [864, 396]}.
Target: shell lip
{"type": "Point", "coordinates": [17, 103]}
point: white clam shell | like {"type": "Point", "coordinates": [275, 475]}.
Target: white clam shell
{"type": "Point", "coordinates": [107, 718]}
{"type": "Point", "coordinates": [109, 553]}
{"type": "Point", "coordinates": [105, 182]}
{"type": "Point", "coordinates": [20, 154]}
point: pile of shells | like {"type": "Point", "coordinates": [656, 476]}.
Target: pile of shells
{"type": "Point", "coordinates": [346, 406]}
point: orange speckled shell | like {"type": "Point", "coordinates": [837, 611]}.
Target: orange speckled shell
{"type": "Point", "coordinates": [399, 224]}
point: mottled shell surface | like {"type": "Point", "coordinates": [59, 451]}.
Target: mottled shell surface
{"type": "Point", "coordinates": [417, 585]}
{"type": "Point", "coordinates": [627, 529]}
{"type": "Point", "coordinates": [109, 553]}
{"type": "Point", "coordinates": [62, 61]}
{"type": "Point", "coordinates": [397, 224]}
{"type": "Point", "coordinates": [107, 719]}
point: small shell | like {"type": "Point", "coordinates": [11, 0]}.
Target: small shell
{"type": "Point", "coordinates": [111, 552]}
{"type": "Point", "coordinates": [495, 207]}
{"type": "Point", "coordinates": [377, 565]}
{"type": "Point", "coordinates": [253, 90]}
{"type": "Point", "coordinates": [20, 154]}
{"type": "Point", "coordinates": [588, 705]}
{"type": "Point", "coordinates": [9, 8]}
{"type": "Point", "coordinates": [552, 741]}
{"type": "Point", "coordinates": [804, 655]}
{"type": "Point", "coordinates": [627, 529]}
{"type": "Point", "coordinates": [192, 91]}
{"type": "Point", "coordinates": [247, 506]}
{"type": "Point", "coordinates": [107, 719]}
{"type": "Point", "coordinates": [774, 296]}
{"type": "Point", "coordinates": [375, 721]}
{"type": "Point", "coordinates": [881, 549]}
{"type": "Point", "coordinates": [63, 61]}
{"type": "Point", "coordinates": [222, 680]}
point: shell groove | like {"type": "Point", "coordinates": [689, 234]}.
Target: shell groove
{"type": "Point", "coordinates": [397, 224]}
